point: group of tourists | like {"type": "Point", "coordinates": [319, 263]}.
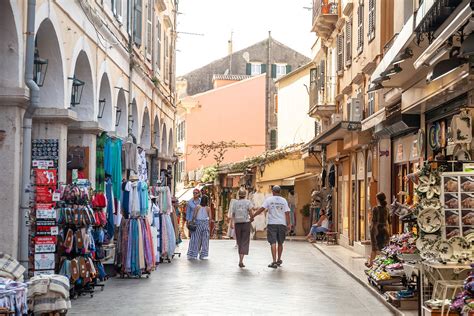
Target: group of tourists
{"type": "Point", "coordinates": [243, 212]}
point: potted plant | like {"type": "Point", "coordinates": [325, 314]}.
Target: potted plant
{"type": "Point", "coordinates": [305, 211]}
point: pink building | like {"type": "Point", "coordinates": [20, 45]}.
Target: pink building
{"type": "Point", "coordinates": [233, 110]}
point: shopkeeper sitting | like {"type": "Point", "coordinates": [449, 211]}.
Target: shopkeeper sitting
{"type": "Point", "coordinates": [319, 226]}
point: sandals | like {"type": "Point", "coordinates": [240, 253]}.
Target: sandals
{"type": "Point", "coordinates": [68, 242]}
{"type": "Point", "coordinates": [74, 270]}
{"type": "Point", "coordinates": [241, 265]}
{"type": "Point", "coordinates": [368, 265]}
{"type": "Point", "coordinates": [279, 262]}
{"type": "Point", "coordinates": [273, 265]}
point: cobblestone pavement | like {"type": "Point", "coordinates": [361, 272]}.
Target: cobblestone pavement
{"type": "Point", "coordinates": [308, 283]}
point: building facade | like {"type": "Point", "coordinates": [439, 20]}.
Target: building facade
{"type": "Point", "coordinates": [110, 67]}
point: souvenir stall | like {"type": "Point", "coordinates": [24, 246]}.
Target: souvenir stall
{"type": "Point", "coordinates": [135, 253]}
{"type": "Point", "coordinates": [80, 242]}
{"type": "Point", "coordinates": [166, 224]}
{"type": "Point", "coordinates": [13, 291]}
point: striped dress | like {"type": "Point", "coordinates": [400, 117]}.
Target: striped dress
{"type": "Point", "coordinates": [199, 243]}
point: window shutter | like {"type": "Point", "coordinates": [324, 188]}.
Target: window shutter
{"type": "Point", "coordinates": [158, 45]}
{"type": "Point", "coordinates": [340, 52]}
{"type": "Point", "coordinates": [288, 69]}
{"type": "Point", "coordinates": [322, 75]}
{"type": "Point", "coordinates": [349, 42]}
{"type": "Point", "coordinates": [137, 32]}
{"type": "Point", "coordinates": [360, 28]}
{"type": "Point", "coordinates": [371, 33]}
{"type": "Point", "coordinates": [313, 81]}
{"type": "Point", "coordinates": [273, 139]}
{"type": "Point", "coordinates": [274, 71]}
{"type": "Point", "coordinates": [248, 69]}
{"type": "Point", "coordinates": [263, 68]}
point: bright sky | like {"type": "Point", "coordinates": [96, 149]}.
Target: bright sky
{"type": "Point", "coordinates": [249, 20]}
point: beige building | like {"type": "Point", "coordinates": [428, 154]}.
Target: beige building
{"type": "Point", "coordinates": [110, 67]}
{"type": "Point", "coordinates": [351, 36]}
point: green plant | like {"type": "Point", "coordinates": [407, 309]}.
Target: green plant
{"type": "Point", "coordinates": [305, 210]}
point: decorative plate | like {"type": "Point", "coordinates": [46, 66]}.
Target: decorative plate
{"type": "Point", "coordinates": [432, 137]}
{"type": "Point", "coordinates": [459, 246]}
{"type": "Point", "coordinates": [442, 134]}
{"type": "Point", "coordinates": [426, 242]}
{"type": "Point", "coordinates": [429, 220]}
{"type": "Point", "coordinates": [437, 134]}
{"type": "Point", "coordinates": [445, 249]}
{"type": "Point", "coordinates": [470, 239]}
{"type": "Point", "coordinates": [429, 254]}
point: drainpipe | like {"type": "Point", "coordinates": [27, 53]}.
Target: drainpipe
{"type": "Point", "coordinates": [27, 124]}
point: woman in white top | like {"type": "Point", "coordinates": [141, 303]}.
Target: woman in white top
{"type": "Point", "coordinates": [199, 243]}
{"type": "Point", "coordinates": [241, 212]}
{"type": "Point", "coordinates": [320, 226]}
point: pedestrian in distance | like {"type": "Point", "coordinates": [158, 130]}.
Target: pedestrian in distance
{"type": "Point", "coordinates": [278, 223]}
{"type": "Point", "coordinates": [320, 226]}
{"type": "Point", "coordinates": [379, 225]}
{"type": "Point", "coordinates": [191, 206]}
{"type": "Point", "coordinates": [199, 243]}
{"type": "Point", "coordinates": [241, 213]}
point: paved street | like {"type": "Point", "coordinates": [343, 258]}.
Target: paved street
{"type": "Point", "coordinates": [307, 283]}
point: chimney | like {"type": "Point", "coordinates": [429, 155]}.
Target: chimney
{"type": "Point", "coordinates": [229, 52]}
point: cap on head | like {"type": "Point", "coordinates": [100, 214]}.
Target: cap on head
{"type": "Point", "coordinates": [276, 189]}
{"type": "Point", "coordinates": [242, 193]}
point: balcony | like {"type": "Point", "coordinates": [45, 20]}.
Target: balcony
{"type": "Point", "coordinates": [319, 105]}
{"type": "Point", "coordinates": [325, 15]}
{"type": "Point", "coordinates": [432, 13]}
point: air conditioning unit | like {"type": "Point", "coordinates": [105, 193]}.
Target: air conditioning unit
{"type": "Point", "coordinates": [336, 118]}
{"type": "Point", "coordinates": [355, 110]}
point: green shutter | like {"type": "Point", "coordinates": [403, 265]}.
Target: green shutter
{"type": "Point", "coordinates": [273, 139]}
{"type": "Point", "coordinates": [274, 71]}
{"type": "Point", "coordinates": [264, 68]}
{"type": "Point", "coordinates": [248, 69]}
{"type": "Point", "coordinates": [288, 69]}
{"type": "Point", "coordinates": [137, 32]}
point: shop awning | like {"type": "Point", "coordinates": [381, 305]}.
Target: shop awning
{"type": "Point", "coordinates": [290, 181]}
{"type": "Point", "coordinates": [335, 132]}
{"type": "Point", "coordinates": [376, 118]}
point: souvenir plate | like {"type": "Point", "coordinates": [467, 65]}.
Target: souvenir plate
{"type": "Point", "coordinates": [432, 137]}
{"type": "Point", "coordinates": [426, 242]}
{"type": "Point", "coordinates": [444, 249]}
{"type": "Point", "coordinates": [429, 220]}
{"type": "Point", "coordinates": [459, 245]}
{"type": "Point", "coordinates": [429, 254]}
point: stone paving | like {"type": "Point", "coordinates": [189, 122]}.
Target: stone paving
{"type": "Point", "coordinates": [308, 283]}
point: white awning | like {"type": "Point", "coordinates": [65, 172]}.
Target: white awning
{"type": "Point", "coordinates": [374, 119]}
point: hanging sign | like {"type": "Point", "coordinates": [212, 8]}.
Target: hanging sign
{"type": "Point", "coordinates": [44, 261]}
{"type": "Point", "coordinates": [46, 177]}
{"type": "Point", "coordinates": [43, 164]}
{"type": "Point", "coordinates": [45, 211]}
{"type": "Point", "coordinates": [46, 244]}
{"type": "Point", "coordinates": [46, 230]}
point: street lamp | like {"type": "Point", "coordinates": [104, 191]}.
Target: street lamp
{"type": "Point", "coordinates": [101, 108]}
{"type": "Point", "coordinates": [118, 115]}
{"type": "Point", "coordinates": [76, 93]}
{"type": "Point", "coordinates": [40, 69]}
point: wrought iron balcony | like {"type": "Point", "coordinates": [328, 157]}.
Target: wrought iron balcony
{"type": "Point", "coordinates": [431, 14]}
{"type": "Point", "coordinates": [325, 15]}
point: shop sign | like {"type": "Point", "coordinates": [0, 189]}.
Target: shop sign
{"type": "Point", "coordinates": [47, 230]}
{"type": "Point", "coordinates": [43, 164]}
{"type": "Point", "coordinates": [46, 176]}
{"type": "Point", "coordinates": [44, 261]}
{"type": "Point", "coordinates": [44, 194]}
{"type": "Point", "coordinates": [45, 244]}
{"type": "Point", "coordinates": [44, 272]}
{"type": "Point", "coordinates": [45, 211]}
{"type": "Point", "coordinates": [400, 152]}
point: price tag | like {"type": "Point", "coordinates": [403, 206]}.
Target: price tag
{"type": "Point", "coordinates": [56, 196]}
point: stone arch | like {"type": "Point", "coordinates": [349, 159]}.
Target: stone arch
{"type": "Point", "coordinates": [164, 141]}
{"type": "Point", "coordinates": [122, 125]}
{"type": "Point", "coordinates": [83, 71]}
{"type": "Point", "coordinates": [9, 47]}
{"type": "Point", "coordinates": [135, 122]}
{"type": "Point", "coordinates": [156, 133]}
{"type": "Point", "coordinates": [145, 135]}
{"type": "Point", "coordinates": [170, 143]}
{"type": "Point", "coordinates": [107, 119]}
{"type": "Point", "coordinates": [47, 44]}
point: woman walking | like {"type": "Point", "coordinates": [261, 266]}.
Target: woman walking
{"type": "Point", "coordinates": [379, 235]}
{"type": "Point", "coordinates": [241, 212]}
{"type": "Point", "coordinates": [199, 243]}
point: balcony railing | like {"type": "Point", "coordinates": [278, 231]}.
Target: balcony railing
{"type": "Point", "coordinates": [325, 15]}
{"type": "Point", "coordinates": [432, 13]}
{"type": "Point", "coordinates": [321, 102]}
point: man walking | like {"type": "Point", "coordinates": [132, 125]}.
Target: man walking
{"type": "Point", "coordinates": [191, 205]}
{"type": "Point", "coordinates": [278, 223]}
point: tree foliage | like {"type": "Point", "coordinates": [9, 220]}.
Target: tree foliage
{"type": "Point", "coordinates": [216, 149]}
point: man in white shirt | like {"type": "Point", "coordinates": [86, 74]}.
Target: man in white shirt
{"type": "Point", "coordinates": [278, 223]}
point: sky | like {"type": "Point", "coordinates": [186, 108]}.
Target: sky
{"type": "Point", "coordinates": [249, 20]}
